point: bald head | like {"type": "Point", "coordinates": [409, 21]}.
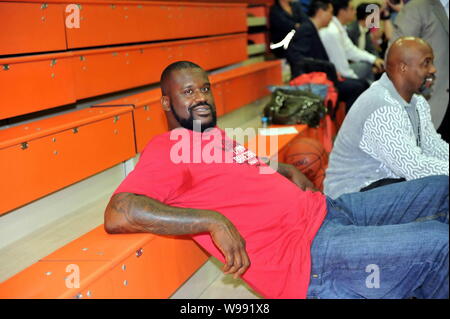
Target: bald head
{"type": "Point", "coordinates": [409, 65]}
{"type": "Point", "coordinates": [404, 51]}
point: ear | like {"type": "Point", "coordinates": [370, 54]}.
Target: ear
{"type": "Point", "coordinates": [403, 67]}
{"type": "Point", "coordinates": [165, 103]}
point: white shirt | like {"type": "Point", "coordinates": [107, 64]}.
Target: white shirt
{"type": "Point", "coordinates": [445, 5]}
{"type": "Point", "coordinates": [362, 37]}
{"type": "Point", "coordinates": [340, 48]}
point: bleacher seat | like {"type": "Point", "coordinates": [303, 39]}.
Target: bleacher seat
{"type": "Point", "coordinates": [45, 65]}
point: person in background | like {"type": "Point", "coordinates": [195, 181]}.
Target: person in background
{"type": "Point", "coordinates": [388, 137]}
{"type": "Point", "coordinates": [394, 7]}
{"type": "Point", "coordinates": [284, 16]}
{"type": "Point", "coordinates": [428, 19]}
{"type": "Point", "coordinates": [383, 34]}
{"type": "Point", "coordinates": [359, 32]}
{"type": "Point", "coordinates": [350, 61]}
{"type": "Point", "coordinates": [306, 53]}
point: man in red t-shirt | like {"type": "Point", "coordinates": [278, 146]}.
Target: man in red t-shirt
{"type": "Point", "coordinates": [263, 224]}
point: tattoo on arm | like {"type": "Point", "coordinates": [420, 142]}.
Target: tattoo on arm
{"type": "Point", "coordinates": [130, 213]}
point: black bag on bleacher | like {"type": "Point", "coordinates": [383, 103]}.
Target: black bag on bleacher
{"type": "Point", "coordinates": [295, 107]}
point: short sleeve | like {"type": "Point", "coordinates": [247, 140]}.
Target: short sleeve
{"type": "Point", "coordinates": [156, 175]}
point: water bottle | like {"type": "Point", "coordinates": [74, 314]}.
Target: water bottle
{"type": "Point", "coordinates": [265, 122]}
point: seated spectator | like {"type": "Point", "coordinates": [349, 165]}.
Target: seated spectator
{"type": "Point", "coordinates": [284, 16]}
{"type": "Point", "coordinates": [359, 32]}
{"type": "Point", "coordinates": [374, 40]}
{"type": "Point", "coordinates": [383, 34]}
{"type": "Point", "coordinates": [431, 23]}
{"type": "Point", "coordinates": [341, 49]}
{"type": "Point", "coordinates": [388, 135]}
{"type": "Point", "coordinates": [306, 52]}
{"type": "Point", "coordinates": [285, 242]}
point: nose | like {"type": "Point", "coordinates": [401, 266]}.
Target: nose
{"type": "Point", "coordinates": [199, 96]}
{"type": "Point", "coordinates": [433, 69]}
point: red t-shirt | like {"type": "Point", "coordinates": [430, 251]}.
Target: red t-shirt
{"type": "Point", "coordinates": [276, 218]}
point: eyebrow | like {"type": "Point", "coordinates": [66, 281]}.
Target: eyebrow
{"type": "Point", "coordinates": [190, 85]}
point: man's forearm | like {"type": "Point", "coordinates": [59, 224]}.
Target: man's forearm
{"type": "Point", "coordinates": [281, 168]}
{"type": "Point", "coordinates": [130, 213]}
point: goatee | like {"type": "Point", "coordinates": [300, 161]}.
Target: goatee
{"type": "Point", "coordinates": [195, 125]}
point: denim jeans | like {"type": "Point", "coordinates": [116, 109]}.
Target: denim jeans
{"type": "Point", "coordinates": [389, 242]}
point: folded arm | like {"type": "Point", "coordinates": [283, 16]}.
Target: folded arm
{"type": "Point", "coordinates": [131, 213]}
{"type": "Point", "coordinates": [385, 139]}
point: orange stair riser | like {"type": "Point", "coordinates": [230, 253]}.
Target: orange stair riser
{"type": "Point", "coordinates": [56, 80]}
{"type": "Point", "coordinates": [53, 162]}
{"type": "Point", "coordinates": [100, 73]}
{"type": "Point", "coordinates": [39, 27]}
{"type": "Point", "coordinates": [28, 27]}
{"type": "Point", "coordinates": [217, 90]}
{"type": "Point", "coordinates": [257, 11]}
{"type": "Point", "coordinates": [33, 86]}
{"type": "Point", "coordinates": [149, 120]}
{"type": "Point", "coordinates": [48, 280]}
{"type": "Point", "coordinates": [144, 266]}
{"type": "Point", "coordinates": [258, 38]}
{"type": "Point", "coordinates": [249, 88]}
{"type": "Point", "coordinates": [106, 24]}
{"type": "Point", "coordinates": [165, 264]}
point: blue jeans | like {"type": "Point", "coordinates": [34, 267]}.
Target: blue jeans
{"type": "Point", "coordinates": [389, 242]}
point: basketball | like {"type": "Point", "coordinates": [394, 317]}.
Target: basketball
{"type": "Point", "coordinates": [309, 156]}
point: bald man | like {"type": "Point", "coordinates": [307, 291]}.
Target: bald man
{"type": "Point", "coordinates": [388, 136]}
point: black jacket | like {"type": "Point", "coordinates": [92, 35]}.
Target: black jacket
{"type": "Point", "coordinates": [306, 53]}
{"type": "Point", "coordinates": [281, 23]}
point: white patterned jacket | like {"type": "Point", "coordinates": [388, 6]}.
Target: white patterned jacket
{"type": "Point", "coordinates": [377, 140]}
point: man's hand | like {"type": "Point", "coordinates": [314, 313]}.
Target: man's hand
{"type": "Point", "coordinates": [232, 245]}
{"type": "Point", "coordinates": [397, 7]}
{"type": "Point", "coordinates": [379, 64]}
{"type": "Point", "coordinates": [296, 176]}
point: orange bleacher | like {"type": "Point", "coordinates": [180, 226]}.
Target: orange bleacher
{"type": "Point", "coordinates": [125, 44]}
